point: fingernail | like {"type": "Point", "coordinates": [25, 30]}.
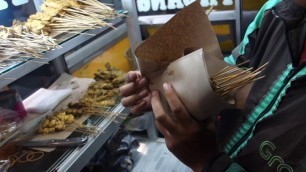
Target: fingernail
{"type": "Point", "coordinates": [143, 93]}
{"type": "Point", "coordinates": [166, 86]}
{"type": "Point", "coordinates": [142, 103]}
{"type": "Point", "coordinates": [132, 76]}
{"type": "Point", "coordinates": [154, 93]}
{"type": "Point", "coordinates": [142, 81]}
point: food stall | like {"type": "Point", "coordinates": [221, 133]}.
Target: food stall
{"type": "Point", "coordinates": [37, 71]}
{"type": "Point", "coordinates": [66, 64]}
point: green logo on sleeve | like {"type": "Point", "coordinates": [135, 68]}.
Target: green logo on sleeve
{"type": "Point", "coordinates": [266, 151]}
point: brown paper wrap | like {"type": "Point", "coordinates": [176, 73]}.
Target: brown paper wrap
{"type": "Point", "coordinates": [161, 59]}
{"type": "Point", "coordinates": [188, 29]}
{"type": "Point", "coordinates": [192, 85]}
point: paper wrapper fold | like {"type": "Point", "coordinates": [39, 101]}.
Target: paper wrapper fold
{"type": "Point", "coordinates": [189, 29]}
{"type": "Point", "coordinates": [162, 59]}
{"type": "Point", "coordinates": [190, 78]}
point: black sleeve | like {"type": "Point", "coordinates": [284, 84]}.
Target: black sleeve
{"type": "Point", "coordinates": [221, 163]}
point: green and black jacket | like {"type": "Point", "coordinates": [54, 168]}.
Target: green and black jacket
{"type": "Point", "coordinates": [269, 134]}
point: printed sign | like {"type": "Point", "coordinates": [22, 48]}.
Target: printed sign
{"type": "Point", "coordinates": [155, 7]}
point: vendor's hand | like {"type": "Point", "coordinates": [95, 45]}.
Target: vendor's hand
{"type": "Point", "coordinates": [191, 143]}
{"type": "Point", "coordinates": [136, 93]}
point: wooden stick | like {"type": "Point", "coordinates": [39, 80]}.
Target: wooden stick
{"type": "Point", "coordinates": [225, 72]}
{"type": "Point", "coordinates": [226, 78]}
{"type": "Point", "coordinates": [38, 62]}
{"type": "Point", "coordinates": [227, 86]}
{"type": "Point", "coordinates": [229, 90]}
{"type": "Point", "coordinates": [209, 10]}
{"type": "Point", "coordinates": [13, 79]}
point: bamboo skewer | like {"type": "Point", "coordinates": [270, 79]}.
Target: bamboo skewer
{"type": "Point", "coordinates": [209, 10]}
{"type": "Point", "coordinates": [221, 71]}
{"type": "Point", "coordinates": [105, 113]}
{"type": "Point", "coordinates": [74, 17]}
{"type": "Point", "coordinates": [13, 79]}
{"type": "Point", "coordinates": [89, 15]}
{"type": "Point", "coordinates": [86, 129]}
{"type": "Point", "coordinates": [120, 115]}
{"type": "Point", "coordinates": [19, 44]}
{"type": "Point", "coordinates": [38, 62]}
{"type": "Point", "coordinates": [240, 80]}
{"type": "Point", "coordinates": [229, 79]}
{"type": "Point", "coordinates": [81, 130]}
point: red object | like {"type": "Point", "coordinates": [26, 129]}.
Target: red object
{"type": "Point", "coordinates": [10, 99]}
{"type": "Point", "coordinates": [19, 108]}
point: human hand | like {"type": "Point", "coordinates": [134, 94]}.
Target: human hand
{"type": "Point", "coordinates": [136, 93]}
{"type": "Point", "coordinates": [191, 143]}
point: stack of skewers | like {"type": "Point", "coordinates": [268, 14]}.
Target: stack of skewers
{"type": "Point", "coordinates": [98, 98]}
{"type": "Point", "coordinates": [36, 36]}
{"type": "Point", "coordinates": [231, 78]}
{"type": "Point", "coordinates": [18, 41]}
{"type": "Point", "coordinates": [71, 16]}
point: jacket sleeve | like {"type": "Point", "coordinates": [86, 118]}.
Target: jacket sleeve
{"type": "Point", "coordinates": [223, 163]}
{"type": "Point", "coordinates": [247, 43]}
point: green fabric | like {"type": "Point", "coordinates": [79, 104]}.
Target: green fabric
{"type": "Point", "coordinates": [230, 60]}
{"type": "Point", "coordinates": [272, 110]}
{"type": "Point", "coordinates": [234, 167]}
{"type": "Point", "coordinates": [264, 103]}
{"type": "Point", "coordinates": [251, 28]}
{"type": "Point", "coordinates": [260, 108]}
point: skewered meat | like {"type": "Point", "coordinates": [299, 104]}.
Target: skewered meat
{"type": "Point", "coordinates": [52, 124]}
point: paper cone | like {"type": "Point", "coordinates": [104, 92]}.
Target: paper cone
{"type": "Point", "coordinates": [190, 78]}
{"type": "Point", "coordinates": [162, 58]}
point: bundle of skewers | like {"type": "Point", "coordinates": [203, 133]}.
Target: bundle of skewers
{"type": "Point", "coordinates": [63, 121]}
{"type": "Point", "coordinates": [71, 16]}
{"type": "Point", "coordinates": [66, 120]}
{"type": "Point", "coordinates": [105, 90]}
{"type": "Point", "coordinates": [17, 41]}
{"type": "Point", "coordinates": [32, 38]}
{"type": "Point", "coordinates": [231, 78]}
{"type": "Point", "coordinates": [97, 100]}
{"type": "Point", "coordinates": [78, 109]}
{"type": "Point", "coordinates": [82, 128]}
